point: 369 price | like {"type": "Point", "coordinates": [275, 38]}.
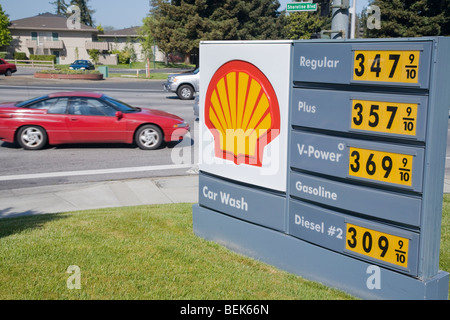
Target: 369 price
{"type": "Point", "coordinates": [378, 245]}
{"type": "Point", "coordinates": [381, 166]}
{"type": "Point", "coordinates": [386, 117]}
{"type": "Point", "coordinates": [386, 66]}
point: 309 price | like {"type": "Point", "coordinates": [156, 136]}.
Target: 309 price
{"type": "Point", "coordinates": [386, 117]}
{"type": "Point", "coordinates": [378, 245]}
{"type": "Point", "coordinates": [381, 166]}
{"type": "Point", "coordinates": [386, 66]}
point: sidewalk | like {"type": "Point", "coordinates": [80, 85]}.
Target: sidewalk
{"type": "Point", "coordinates": [84, 196]}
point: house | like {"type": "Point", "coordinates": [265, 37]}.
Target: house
{"type": "Point", "coordinates": [128, 37]}
{"type": "Point", "coordinates": [120, 39]}
{"type": "Point", "coordinates": [52, 34]}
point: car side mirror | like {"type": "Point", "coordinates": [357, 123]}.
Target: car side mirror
{"type": "Point", "coordinates": [119, 115]}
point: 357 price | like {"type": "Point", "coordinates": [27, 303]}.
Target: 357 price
{"type": "Point", "coordinates": [381, 166]}
{"type": "Point", "coordinates": [387, 117]}
{"type": "Point", "coordinates": [386, 66]}
{"type": "Point", "coordinates": [378, 245]}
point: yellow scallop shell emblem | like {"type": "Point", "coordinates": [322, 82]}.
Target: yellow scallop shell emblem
{"type": "Point", "coordinates": [242, 112]}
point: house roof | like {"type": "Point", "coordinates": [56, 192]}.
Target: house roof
{"type": "Point", "coordinates": [47, 22]}
{"type": "Point", "coordinates": [127, 32]}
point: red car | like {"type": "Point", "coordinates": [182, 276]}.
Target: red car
{"type": "Point", "coordinates": [7, 68]}
{"type": "Point", "coordinates": [83, 117]}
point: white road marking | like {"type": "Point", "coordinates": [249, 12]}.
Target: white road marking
{"type": "Point", "coordinates": [92, 172]}
{"type": "Point", "coordinates": [69, 89]}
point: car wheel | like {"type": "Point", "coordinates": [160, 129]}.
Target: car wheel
{"type": "Point", "coordinates": [8, 73]}
{"type": "Point", "coordinates": [149, 137]}
{"type": "Point", "coordinates": [185, 92]}
{"type": "Point", "coordinates": [32, 137]}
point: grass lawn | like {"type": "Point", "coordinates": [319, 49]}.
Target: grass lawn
{"type": "Point", "coordinates": [145, 252]}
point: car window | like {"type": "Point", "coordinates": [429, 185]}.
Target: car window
{"type": "Point", "coordinates": [53, 105]}
{"type": "Point", "coordinates": [59, 107]}
{"type": "Point", "coordinates": [1, 62]}
{"type": "Point", "coordinates": [122, 106]}
{"type": "Point", "coordinates": [90, 107]}
{"type": "Point", "coordinates": [29, 102]}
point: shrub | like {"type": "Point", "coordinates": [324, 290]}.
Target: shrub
{"type": "Point", "coordinates": [43, 57]}
{"type": "Point", "coordinates": [3, 55]}
{"type": "Point", "coordinates": [57, 71]}
{"type": "Point", "coordinates": [20, 56]}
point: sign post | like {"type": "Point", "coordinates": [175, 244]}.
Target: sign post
{"type": "Point", "coordinates": [357, 202]}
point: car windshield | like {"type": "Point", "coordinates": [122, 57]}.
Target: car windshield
{"type": "Point", "coordinates": [80, 62]}
{"type": "Point", "coordinates": [22, 104]}
{"type": "Point", "coordinates": [122, 106]}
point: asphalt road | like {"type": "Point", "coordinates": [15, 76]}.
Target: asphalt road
{"type": "Point", "coordinates": [99, 162]}
{"type": "Point", "coordinates": [87, 163]}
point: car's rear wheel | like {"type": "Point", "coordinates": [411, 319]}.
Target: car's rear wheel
{"type": "Point", "coordinates": [32, 137]}
{"type": "Point", "coordinates": [185, 92]}
{"type": "Point", "coordinates": [149, 137]}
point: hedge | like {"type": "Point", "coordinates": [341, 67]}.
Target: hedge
{"type": "Point", "coordinates": [20, 56]}
{"type": "Point", "coordinates": [43, 57]}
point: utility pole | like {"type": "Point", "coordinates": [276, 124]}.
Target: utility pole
{"type": "Point", "coordinates": [339, 22]}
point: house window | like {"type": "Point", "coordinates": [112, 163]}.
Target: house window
{"type": "Point", "coordinates": [55, 36]}
{"type": "Point", "coordinates": [34, 36]}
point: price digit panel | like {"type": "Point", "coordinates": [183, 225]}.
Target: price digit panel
{"type": "Point", "coordinates": [385, 117]}
{"type": "Point", "coordinates": [381, 166]}
{"type": "Point", "coordinates": [378, 245]}
{"type": "Point", "coordinates": [386, 66]}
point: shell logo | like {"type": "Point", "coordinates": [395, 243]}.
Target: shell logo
{"type": "Point", "coordinates": [242, 112]}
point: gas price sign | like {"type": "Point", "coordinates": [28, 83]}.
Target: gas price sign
{"type": "Point", "coordinates": [359, 122]}
{"type": "Point", "coordinates": [386, 66]}
{"type": "Point", "coordinates": [386, 117]}
{"type": "Point", "coordinates": [381, 166]}
{"type": "Point", "coordinates": [357, 159]}
{"type": "Point", "coordinates": [378, 245]}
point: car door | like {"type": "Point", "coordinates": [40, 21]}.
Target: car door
{"type": "Point", "coordinates": [92, 120]}
{"type": "Point", "coordinates": [2, 67]}
{"type": "Point", "coordinates": [53, 121]}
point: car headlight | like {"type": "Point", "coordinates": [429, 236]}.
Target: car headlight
{"type": "Point", "coordinates": [71, 68]}
{"type": "Point", "coordinates": [181, 125]}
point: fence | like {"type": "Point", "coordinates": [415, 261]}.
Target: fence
{"type": "Point", "coordinates": [33, 63]}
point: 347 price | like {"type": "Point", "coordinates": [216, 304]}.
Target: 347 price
{"type": "Point", "coordinates": [386, 66]}
{"type": "Point", "coordinates": [379, 245]}
{"type": "Point", "coordinates": [386, 117]}
{"type": "Point", "coordinates": [381, 166]}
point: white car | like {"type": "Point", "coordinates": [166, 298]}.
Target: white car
{"type": "Point", "coordinates": [183, 84]}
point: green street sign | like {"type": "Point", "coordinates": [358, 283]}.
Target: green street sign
{"type": "Point", "coordinates": [301, 6]}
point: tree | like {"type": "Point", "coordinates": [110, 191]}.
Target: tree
{"type": "Point", "coordinates": [302, 25]}
{"type": "Point", "coordinates": [85, 12]}
{"type": "Point", "coordinates": [146, 37]}
{"type": "Point", "coordinates": [61, 7]}
{"type": "Point", "coordinates": [180, 25]}
{"type": "Point", "coordinates": [412, 18]}
{"type": "Point", "coordinates": [5, 34]}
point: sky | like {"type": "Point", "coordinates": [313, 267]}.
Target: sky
{"type": "Point", "coordinates": [107, 12]}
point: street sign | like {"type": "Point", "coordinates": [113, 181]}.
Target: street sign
{"type": "Point", "coordinates": [301, 6]}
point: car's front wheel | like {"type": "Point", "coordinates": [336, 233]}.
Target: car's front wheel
{"type": "Point", "coordinates": [185, 92]}
{"type": "Point", "coordinates": [149, 137]}
{"type": "Point", "coordinates": [32, 137]}
{"type": "Point", "coordinates": [8, 73]}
